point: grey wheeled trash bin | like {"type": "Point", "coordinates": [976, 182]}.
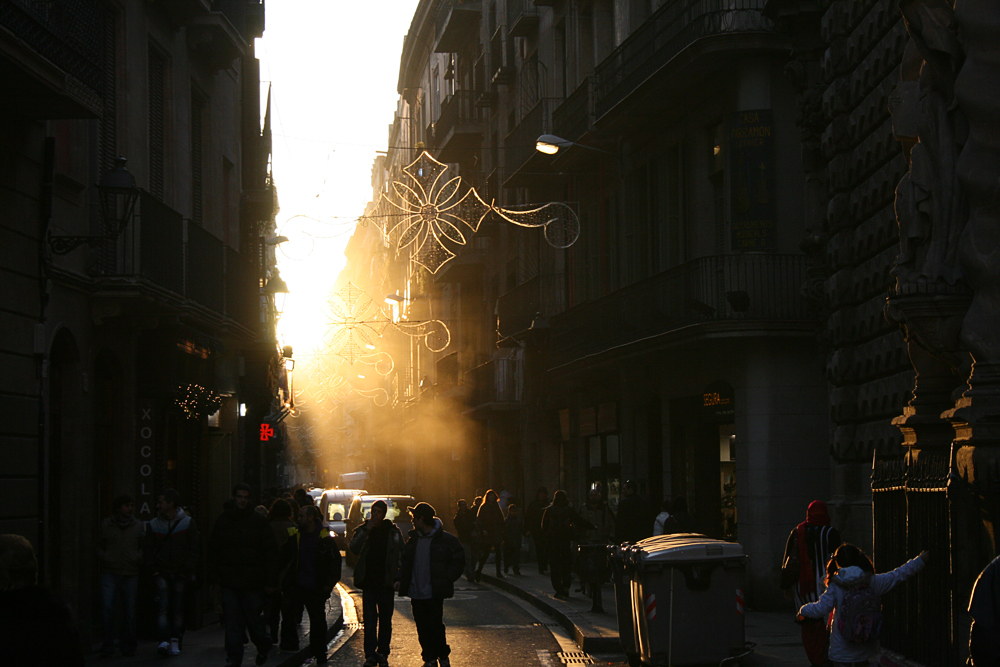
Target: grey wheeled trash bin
{"type": "Point", "coordinates": [619, 558]}
{"type": "Point", "coordinates": [687, 599]}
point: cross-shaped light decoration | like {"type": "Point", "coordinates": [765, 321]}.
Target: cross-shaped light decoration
{"type": "Point", "coordinates": [432, 212]}
{"type": "Point", "coordinates": [331, 377]}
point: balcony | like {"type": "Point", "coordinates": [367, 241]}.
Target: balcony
{"type": "Point", "coordinates": [260, 203]}
{"type": "Point", "coordinates": [502, 69]}
{"type": "Point", "coordinates": [216, 40]}
{"type": "Point", "coordinates": [522, 17]}
{"type": "Point", "coordinates": [517, 309]}
{"type": "Point", "coordinates": [521, 161]}
{"type": "Point", "coordinates": [499, 383]}
{"type": "Point", "coordinates": [467, 265]}
{"type": "Point", "coordinates": [664, 35]}
{"type": "Point", "coordinates": [732, 291]}
{"type": "Point", "coordinates": [52, 58]}
{"type": "Point", "coordinates": [575, 116]}
{"type": "Point", "coordinates": [459, 128]}
{"type": "Point", "coordinates": [177, 262]}
{"type": "Point", "coordinates": [457, 23]}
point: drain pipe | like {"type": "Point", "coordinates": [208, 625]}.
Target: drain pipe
{"type": "Point", "coordinates": [670, 632]}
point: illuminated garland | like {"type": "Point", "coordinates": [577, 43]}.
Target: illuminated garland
{"type": "Point", "coordinates": [197, 401]}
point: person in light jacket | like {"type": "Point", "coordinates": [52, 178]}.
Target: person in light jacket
{"type": "Point", "coordinates": [850, 568]}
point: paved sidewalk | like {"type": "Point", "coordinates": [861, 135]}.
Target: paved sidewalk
{"type": "Point", "coordinates": [206, 647]}
{"type": "Point", "coordinates": [775, 634]}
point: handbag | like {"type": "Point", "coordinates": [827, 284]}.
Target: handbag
{"type": "Point", "coordinates": [790, 570]}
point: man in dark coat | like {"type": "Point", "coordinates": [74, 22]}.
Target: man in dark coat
{"type": "Point", "coordinates": [465, 526]}
{"type": "Point", "coordinates": [560, 523]}
{"type": "Point", "coordinates": [378, 545]}
{"type": "Point", "coordinates": [633, 521]}
{"type": "Point", "coordinates": [119, 549]}
{"type": "Point", "coordinates": [533, 527]}
{"type": "Point", "coordinates": [433, 560]}
{"type": "Point", "coordinates": [170, 551]}
{"type": "Point", "coordinates": [243, 563]}
{"type": "Point", "coordinates": [311, 562]}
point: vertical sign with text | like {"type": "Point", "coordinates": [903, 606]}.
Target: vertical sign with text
{"type": "Point", "coordinates": [751, 165]}
{"type": "Point", "coordinates": [145, 505]}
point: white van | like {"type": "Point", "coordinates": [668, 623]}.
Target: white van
{"type": "Point", "coordinates": [334, 505]}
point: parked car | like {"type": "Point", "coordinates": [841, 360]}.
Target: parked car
{"type": "Point", "coordinates": [333, 504]}
{"type": "Point", "coordinates": [361, 509]}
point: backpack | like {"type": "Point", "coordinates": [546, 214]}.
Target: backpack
{"type": "Point", "coordinates": [859, 618]}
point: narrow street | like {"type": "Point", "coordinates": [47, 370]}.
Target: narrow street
{"type": "Point", "coordinates": [486, 628]}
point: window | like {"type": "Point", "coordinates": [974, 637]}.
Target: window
{"type": "Point", "coordinates": [198, 114]}
{"type": "Point", "coordinates": [156, 103]}
{"type": "Point", "coordinates": [672, 207]}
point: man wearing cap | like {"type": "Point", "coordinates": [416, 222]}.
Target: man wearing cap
{"type": "Point", "coordinates": [433, 560]}
{"type": "Point", "coordinates": [378, 545]}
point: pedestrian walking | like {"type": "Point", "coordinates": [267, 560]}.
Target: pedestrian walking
{"type": "Point", "coordinates": [853, 592]}
{"type": "Point", "coordinates": [681, 520]}
{"type": "Point", "coordinates": [803, 573]}
{"type": "Point", "coordinates": [378, 544]}
{"type": "Point", "coordinates": [592, 563]}
{"type": "Point", "coordinates": [243, 564]}
{"type": "Point", "coordinates": [560, 524]}
{"type": "Point", "coordinates": [170, 550]}
{"type": "Point", "coordinates": [279, 519]}
{"type": "Point", "coordinates": [468, 535]}
{"type": "Point", "coordinates": [433, 560]}
{"type": "Point", "coordinates": [311, 562]}
{"type": "Point", "coordinates": [37, 627]}
{"type": "Point", "coordinates": [661, 518]}
{"type": "Point", "coordinates": [632, 520]}
{"type": "Point", "coordinates": [512, 542]}
{"type": "Point", "coordinates": [533, 527]}
{"type": "Point", "coordinates": [119, 551]}
{"type": "Point", "coordinates": [490, 522]}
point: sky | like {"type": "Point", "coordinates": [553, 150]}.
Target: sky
{"type": "Point", "coordinates": [332, 66]}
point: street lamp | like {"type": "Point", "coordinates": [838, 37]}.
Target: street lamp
{"type": "Point", "coordinates": [117, 194]}
{"type": "Point", "coordinates": [277, 288]}
{"type": "Point", "coordinates": [550, 144]}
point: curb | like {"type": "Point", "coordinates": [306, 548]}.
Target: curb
{"type": "Point", "coordinates": [587, 643]}
{"type": "Point", "coordinates": [304, 654]}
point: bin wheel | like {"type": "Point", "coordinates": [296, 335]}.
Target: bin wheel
{"type": "Point", "coordinates": [634, 660]}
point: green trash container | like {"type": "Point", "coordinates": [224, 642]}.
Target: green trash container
{"type": "Point", "coordinates": [687, 600]}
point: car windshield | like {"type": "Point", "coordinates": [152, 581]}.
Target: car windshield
{"type": "Point", "coordinates": [335, 512]}
{"type": "Point", "coordinates": [396, 507]}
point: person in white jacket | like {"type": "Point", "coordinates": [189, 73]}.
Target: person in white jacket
{"type": "Point", "coordinates": [661, 518]}
{"type": "Point", "coordinates": [853, 569]}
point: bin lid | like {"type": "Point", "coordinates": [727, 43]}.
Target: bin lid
{"type": "Point", "coordinates": [687, 547]}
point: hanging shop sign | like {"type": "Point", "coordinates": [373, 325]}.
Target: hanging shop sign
{"type": "Point", "coordinates": [146, 441]}
{"type": "Point", "coordinates": [751, 168]}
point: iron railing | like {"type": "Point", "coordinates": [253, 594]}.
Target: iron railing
{"type": "Point", "coordinates": [575, 116]}
{"type": "Point", "coordinates": [911, 513]}
{"type": "Point", "coordinates": [519, 146]}
{"type": "Point", "coordinates": [459, 108]}
{"type": "Point", "coordinates": [497, 381]}
{"type": "Point", "coordinates": [540, 295]}
{"type": "Point", "coordinates": [671, 29]}
{"type": "Point", "coordinates": [69, 33]}
{"type": "Point", "coordinates": [522, 17]}
{"type": "Point", "coordinates": [720, 288]}
{"type": "Point", "coordinates": [166, 252]}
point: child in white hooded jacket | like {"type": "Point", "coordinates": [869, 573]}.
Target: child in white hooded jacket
{"type": "Point", "coordinates": [848, 568]}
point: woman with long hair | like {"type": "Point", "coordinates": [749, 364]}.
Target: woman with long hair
{"type": "Point", "coordinates": [852, 594]}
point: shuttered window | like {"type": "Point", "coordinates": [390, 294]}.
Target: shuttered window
{"type": "Point", "coordinates": [157, 81]}
{"type": "Point", "coordinates": [198, 108]}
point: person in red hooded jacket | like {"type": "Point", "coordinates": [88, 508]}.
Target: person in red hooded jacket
{"type": "Point", "coordinates": [803, 573]}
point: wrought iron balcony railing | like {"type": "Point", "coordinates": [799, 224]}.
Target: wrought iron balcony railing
{"type": "Point", "coordinates": [175, 258]}
{"type": "Point", "coordinates": [68, 33]}
{"type": "Point", "coordinates": [499, 382]}
{"type": "Point", "coordinates": [457, 22]}
{"type": "Point", "coordinates": [575, 116]}
{"type": "Point", "coordinates": [519, 146]}
{"type": "Point", "coordinates": [670, 30]}
{"type": "Point", "coordinates": [738, 289]}
{"type": "Point", "coordinates": [522, 17]}
{"type": "Point", "coordinates": [517, 309]}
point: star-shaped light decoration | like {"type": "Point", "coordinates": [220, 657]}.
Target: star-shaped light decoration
{"type": "Point", "coordinates": [433, 213]}
{"type": "Point", "coordinates": [355, 323]}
